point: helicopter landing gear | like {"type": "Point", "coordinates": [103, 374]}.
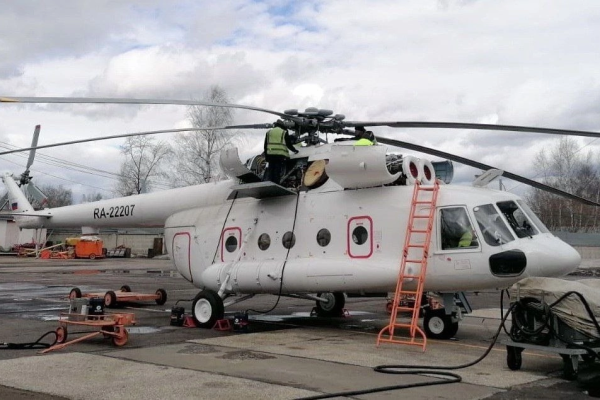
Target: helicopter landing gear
{"type": "Point", "coordinates": [207, 309]}
{"type": "Point", "coordinates": [438, 325]}
{"type": "Point", "coordinates": [332, 306]}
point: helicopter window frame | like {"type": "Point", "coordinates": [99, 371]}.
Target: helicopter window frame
{"type": "Point", "coordinates": [288, 240]}
{"type": "Point", "coordinates": [455, 235]}
{"type": "Point", "coordinates": [264, 241]}
{"type": "Point", "coordinates": [323, 237]}
{"type": "Point", "coordinates": [494, 229]}
{"type": "Point", "coordinates": [517, 219]}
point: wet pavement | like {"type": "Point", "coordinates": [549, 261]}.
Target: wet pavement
{"type": "Point", "coordinates": [286, 354]}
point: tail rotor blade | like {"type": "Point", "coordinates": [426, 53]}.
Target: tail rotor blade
{"type": "Point", "coordinates": [36, 134]}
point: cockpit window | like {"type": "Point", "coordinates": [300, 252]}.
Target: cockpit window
{"type": "Point", "coordinates": [536, 221]}
{"type": "Point", "coordinates": [517, 219]}
{"type": "Point", "coordinates": [456, 229]}
{"type": "Point", "coordinates": [493, 228]}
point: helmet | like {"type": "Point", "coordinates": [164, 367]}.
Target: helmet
{"type": "Point", "coordinates": [369, 135]}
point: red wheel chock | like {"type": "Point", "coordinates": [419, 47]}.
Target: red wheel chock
{"type": "Point", "coordinates": [188, 321]}
{"type": "Point", "coordinates": [222, 325]}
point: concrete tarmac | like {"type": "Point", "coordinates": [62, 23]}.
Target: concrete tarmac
{"type": "Point", "coordinates": [287, 354]}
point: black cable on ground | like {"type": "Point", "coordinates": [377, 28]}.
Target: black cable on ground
{"type": "Point", "coordinates": [402, 369]}
{"type": "Point", "coordinates": [30, 345]}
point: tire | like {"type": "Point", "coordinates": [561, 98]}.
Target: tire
{"type": "Point", "coordinates": [438, 325]}
{"type": "Point", "coordinates": [75, 293]}
{"type": "Point", "coordinates": [162, 297]}
{"type": "Point", "coordinates": [513, 358]}
{"type": "Point", "coordinates": [110, 299]}
{"type": "Point", "coordinates": [333, 307]}
{"type": "Point", "coordinates": [125, 288]}
{"type": "Point", "coordinates": [122, 338]}
{"type": "Point", "coordinates": [61, 334]}
{"type": "Point", "coordinates": [207, 309]}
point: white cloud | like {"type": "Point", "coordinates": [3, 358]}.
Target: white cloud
{"type": "Point", "coordinates": [510, 62]}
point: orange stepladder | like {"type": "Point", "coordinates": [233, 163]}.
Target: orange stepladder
{"type": "Point", "coordinates": [413, 267]}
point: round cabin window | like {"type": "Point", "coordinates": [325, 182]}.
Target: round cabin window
{"type": "Point", "coordinates": [360, 235]}
{"type": "Point", "coordinates": [288, 240]}
{"type": "Point", "coordinates": [231, 244]}
{"type": "Point", "coordinates": [264, 241]}
{"type": "Point", "coordinates": [323, 237]}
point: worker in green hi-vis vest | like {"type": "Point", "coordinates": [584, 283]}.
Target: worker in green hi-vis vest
{"type": "Point", "coordinates": [364, 137]}
{"type": "Point", "coordinates": [277, 151]}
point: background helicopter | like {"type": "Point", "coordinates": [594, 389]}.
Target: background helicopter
{"type": "Point", "coordinates": [342, 233]}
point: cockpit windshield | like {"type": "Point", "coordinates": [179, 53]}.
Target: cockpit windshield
{"type": "Point", "coordinates": [493, 228]}
{"type": "Point", "coordinates": [517, 219]}
{"type": "Point", "coordinates": [536, 221]}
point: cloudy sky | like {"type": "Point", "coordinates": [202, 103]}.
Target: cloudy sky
{"type": "Point", "coordinates": [517, 62]}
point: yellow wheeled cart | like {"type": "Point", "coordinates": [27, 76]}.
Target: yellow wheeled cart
{"type": "Point", "coordinates": [109, 325]}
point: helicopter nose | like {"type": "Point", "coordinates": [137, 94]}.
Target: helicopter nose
{"type": "Point", "coordinates": [554, 258]}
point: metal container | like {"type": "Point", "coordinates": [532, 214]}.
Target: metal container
{"type": "Point", "coordinates": [96, 306]}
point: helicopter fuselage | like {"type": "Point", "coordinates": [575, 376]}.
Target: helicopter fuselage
{"type": "Point", "coordinates": [329, 238]}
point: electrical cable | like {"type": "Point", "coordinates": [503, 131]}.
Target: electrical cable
{"type": "Point", "coordinates": [30, 345]}
{"type": "Point", "coordinates": [284, 263]}
{"type": "Point", "coordinates": [407, 369]}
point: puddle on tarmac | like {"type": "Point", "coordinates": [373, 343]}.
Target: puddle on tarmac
{"type": "Point", "coordinates": [296, 315]}
{"type": "Point", "coordinates": [142, 329]}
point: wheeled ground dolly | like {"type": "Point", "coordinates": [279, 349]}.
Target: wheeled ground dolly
{"type": "Point", "coordinates": [124, 295]}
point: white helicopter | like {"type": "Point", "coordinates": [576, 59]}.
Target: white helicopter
{"type": "Point", "coordinates": [335, 224]}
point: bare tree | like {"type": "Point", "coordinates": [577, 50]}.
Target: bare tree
{"type": "Point", "coordinates": [58, 196]}
{"type": "Point", "coordinates": [88, 198]}
{"type": "Point", "coordinates": [197, 153]}
{"type": "Point", "coordinates": [565, 168]}
{"type": "Point", "coordinates": [143, 159]}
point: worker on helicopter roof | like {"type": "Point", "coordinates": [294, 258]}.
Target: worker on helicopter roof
{"type": "Point", "coordinates": [365, 138]}
{"type": "Point", "coordinates": [277, 148]}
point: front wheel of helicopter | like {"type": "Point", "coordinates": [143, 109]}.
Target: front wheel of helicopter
{"type": "Point", "coordinates": [207, 309]}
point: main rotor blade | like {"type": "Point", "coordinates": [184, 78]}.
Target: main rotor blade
{"type": "Point", "coordinates": [36, 134]}
{"type": "Point", "coordinates": [92, 100]}
{"type": "Point", "coordinates": [46, 146]}
{"type": "Point", "coordinates": [466, 161]}
{"type": "Point", "coordinates": [466, 125]}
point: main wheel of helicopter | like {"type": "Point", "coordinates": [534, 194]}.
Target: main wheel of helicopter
{"type": "Point", "coordinates": [333, 306]}
{"type": "Point", "coordinates": [207, 309]}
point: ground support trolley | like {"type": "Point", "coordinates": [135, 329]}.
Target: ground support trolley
{"type": "Point", "coordinates": [570, 356]}
{"type": "Point", "coordinates": [124, 295]}
{"type": "Point", "coordinates": [109, 325]}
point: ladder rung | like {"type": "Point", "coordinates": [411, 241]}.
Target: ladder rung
{"type": "Point", "coordinates": [418, 231]}
{"type": "Point", "coordinates": [423, 202]}
{"type": "Point", "coordinates": [415, 261]}
{"type": "Point", "coordinates": [401, 308]}
{"type": "Point", "coordinates": [421, 216]}
{"type": "Point", "coordinates": [412, 276]}
{"type": "Point", "coordinates": [415, 245]}
{"type": "Point", "coordinates": [401, 292]}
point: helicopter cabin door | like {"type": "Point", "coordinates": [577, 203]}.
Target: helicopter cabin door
{"type": "Point", "coordinates": [360, 237]}
{"type": "Point", "coordinates": [231, 241]}
{"type": "Point", "coordinates": [181, 253]}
